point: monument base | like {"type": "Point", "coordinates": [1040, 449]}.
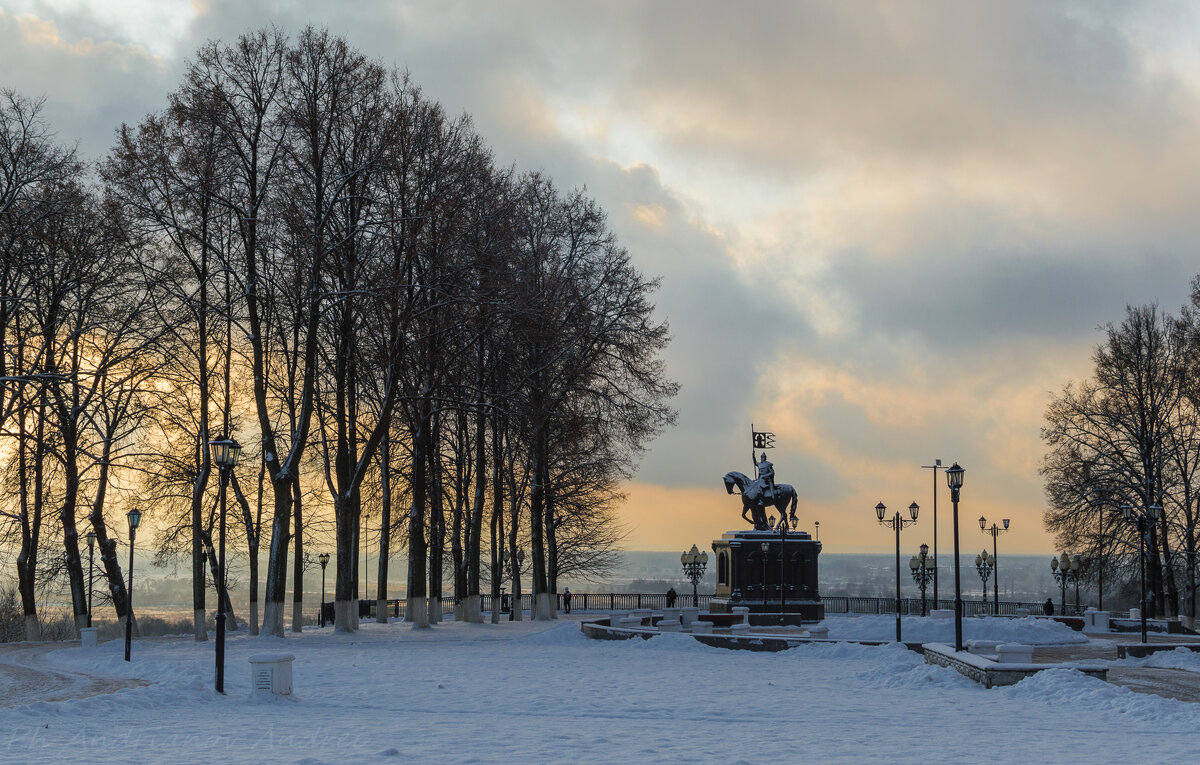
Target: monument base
{"type": "Point", "coordinates": [796, 613]}
{"type": "Point", "coordinates": [773, 575]}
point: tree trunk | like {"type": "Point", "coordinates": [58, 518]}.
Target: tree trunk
{"type": "Point", "coordinates": [497, 518]}
{"type": "Point", "coordinates": [415, 611]}
{"type": "Point", "coordinates": [385, 524]}
{"type": "Point", "coordinates": [276, 587]}
{"type": "Point", "coordinates": [436, 522]}
{"type": "Point", "coordinates": [297, 557]}
{"type": "Point", "coordinates": [251, 544]}
{"type": "Point", "coordinates": [345, 588]}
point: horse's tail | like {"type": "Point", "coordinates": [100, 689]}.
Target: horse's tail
{"type": "Point", "coordinates": [795, 499]}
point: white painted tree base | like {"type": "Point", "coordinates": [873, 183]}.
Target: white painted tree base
{"type": "Point", "coordinates": [273, 618]}
{"type": "Point", "coordinates": [434, 610]}
{"type": "Point", "coordinates": [472, 610]}
{"type": "Point", "coordinates": [33, 628]}
{"type": "Point", "coordinates": [381, 611]}
{"type": "Point", "coordinates": [199, 625]}
{"type": "Point", "coordinates": [343, 613]}
{"type": "Point", "coordinates": [415, 613]}
{"type": "Point", "coordinates": [543, 607]}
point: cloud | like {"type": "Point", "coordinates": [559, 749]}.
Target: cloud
{"type": "Point", "coordinates": [885, 231]}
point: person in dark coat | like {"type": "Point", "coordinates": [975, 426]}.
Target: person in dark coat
{"type": "Point", "coordinates": [567, 599]}
{"type": "Point", "coordinates": [671, 595]}
{"type": "Point", "coordinates": [1048, 607]}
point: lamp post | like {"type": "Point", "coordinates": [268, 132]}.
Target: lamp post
{"type": "Point", "coordinates": [135, 518]}
{"type": "Point", "coordinates": [936, 466]}
{"type": "Point", "coordinates": [984, 565]}
{"type": "Point", "coordinates": [921, 573]}
{"type": "Point", "coordinates": [816, 531]}
{"type": "Point", "coordinates": [783, 528]}
{"type": "Point", "coordinates": [366, 567]}
{"type": "Point", "coordinates": [694, 562]}
{"type": "Point", "coordinates": [224, 452]}
{"type": "Point", "coordinates": [995, 531]}
{"type": "Point", "coordinates": [897, 522]}
{"type": "Point", "coordinates": [91, 540]}
{"type": "Point", "coordinates": [1100, 561]}
{"type": "Point", "coordinates": [1143, 520]}
{"type": "Point", "coordinates": [323, 559]}
{"type": "Point", "coordinates": [1061, 568]}
{"type": "Point", "coordinates": [764, 547]}
{"type": "Point", "coordinates": [954, 477]}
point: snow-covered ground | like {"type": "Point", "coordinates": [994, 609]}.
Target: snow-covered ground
{"type": "Point", "coordinates": [915, 629]}
{"type": "Point", "coordinates": [538, 692]}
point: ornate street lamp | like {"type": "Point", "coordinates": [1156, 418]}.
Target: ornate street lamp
{"type": "Point", "coordinates": [694, 562]}
{"type": "Point", "coordinates": [984, 565]}
{"type": "Point", "coordinates": [995, 531]}
{"type": "Point", "coordinates": [1144, 520]}
{"type": "Point", "coordinates": [323, 559]}
{"type": "Point", "coordinates": [816, 531]}
{"type": "Point", "coordinates": [1063, 571]}
{"type": "Point", "coordinates": [91, 540]}
{"type": "Point", "coordinates": [224, 453]}
{"type": "Point", "coordinates": [897, 522]}
{"type": "Point", "coordinates": [954, 477]}
{"type": "Point", "coordinates": [922, 573]}
{"type": "Point", "coordinates": [135, 518]}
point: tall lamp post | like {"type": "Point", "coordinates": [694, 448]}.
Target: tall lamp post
{"type": "Point", "coordinates": [936, 466]}
{"type": "Point", "coordinates": [323, 559]}
{"type": "Point", "coordinates": [984, 565]}
{"type": "Point", "coordinates": [224, 453]}
{"type": "Point", "coordinates": [1065, 569]}
{"type": "Point", "coordinates": [135, 518]}
{"type": "Point", "coordinates": [995, 531]}
{"type": "Point", "coordinates": [816, 531]}
{"type": "Point", "coordinates": [694, 562]}
{"type": "Point", "coordinates": [954, 477]}
{"type": "Point", "coordinates": [921, 573]}
{"type": "Point", "coordinates": [1143, 521]}
{"type": "Point", "coordinates": [897, 522]}
{"type": "Point", "coordinates": [91, 540]}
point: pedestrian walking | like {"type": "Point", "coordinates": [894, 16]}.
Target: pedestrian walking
{"type": "Point", "coordinates": [567, 599]}
{"type": "Point", "coordinates": [671, 595]}
{"type": "Point", "coordinates": [1048, 607]}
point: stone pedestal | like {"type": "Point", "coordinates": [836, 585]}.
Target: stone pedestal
{"type": "Point", "coordinates": [87, 637]}
{"type": "Point", "coordinates": [271, 675]}
{"type": "Point", "coordinates": [778, 586]}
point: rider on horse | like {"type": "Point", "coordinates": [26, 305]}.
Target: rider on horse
{"type": "Point", "coordinates": [766, 474]}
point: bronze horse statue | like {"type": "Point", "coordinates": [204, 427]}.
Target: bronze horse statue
{"type": "Point", "coordinates": [753, 501]}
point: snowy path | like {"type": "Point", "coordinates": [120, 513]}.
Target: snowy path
{"type": "Point", "coordinates": [25, 677]}
{"type": "Point", "coordinates": [537, 692]}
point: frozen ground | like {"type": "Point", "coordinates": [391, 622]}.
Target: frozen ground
{"type": "Point", "coordinates": [914, 629]}
{"type": "Point", "coordinates": [525, 692]}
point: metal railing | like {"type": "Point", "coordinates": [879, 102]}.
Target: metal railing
{"type": "Point", "coordinates": [628, 601]}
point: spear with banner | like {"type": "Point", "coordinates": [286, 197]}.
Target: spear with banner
{"type": "Point", "coordinates": [759, 440]}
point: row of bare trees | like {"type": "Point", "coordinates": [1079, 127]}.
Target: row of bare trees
{"type": "Point", "coordinates": [1130, 435]}
{"type": "Point", "coordinates": [306, 253]}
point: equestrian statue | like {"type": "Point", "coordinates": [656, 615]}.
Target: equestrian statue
{"type": "Point", "coordinates": [760, 493]}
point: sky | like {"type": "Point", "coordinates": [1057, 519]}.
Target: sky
{"type": "Point", "coordinates": [887, 232]}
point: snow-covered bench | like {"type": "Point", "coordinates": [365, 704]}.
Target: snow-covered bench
{"type": "Point", "coordinates": [1014, 653]}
